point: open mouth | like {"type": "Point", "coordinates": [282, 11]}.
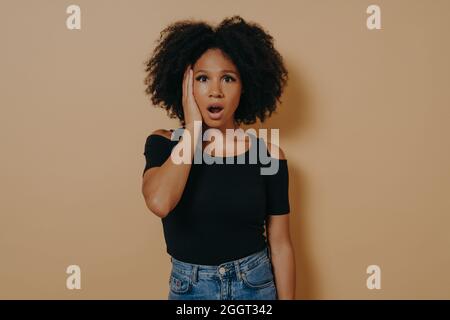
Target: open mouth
{"type": "Point", "coordinates": [215, 112]}
{"type": "Point", "coordinates": [215, 109]}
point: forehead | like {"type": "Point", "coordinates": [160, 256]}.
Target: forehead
{"type": "Point", "coordinates": [214, 60]}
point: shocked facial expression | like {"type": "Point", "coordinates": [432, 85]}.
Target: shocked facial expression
{"type": "Point", "coordinates": [217, 88]}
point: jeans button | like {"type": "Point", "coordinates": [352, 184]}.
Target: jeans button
{"type": "Point", "coordinates": [221, 270]}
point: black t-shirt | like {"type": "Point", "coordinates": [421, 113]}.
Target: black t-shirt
{"type": "Point", "coordinates": [221, 214]}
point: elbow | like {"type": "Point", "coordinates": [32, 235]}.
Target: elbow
{"type": "Point", "coordinates": [280, 245]}
{"type": "Point", "coordinates": [158, 207]}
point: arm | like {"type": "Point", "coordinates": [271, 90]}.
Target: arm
{"type": "Point", "coordinates": [282, 252]}
{"type": "Point", "coordinates": [162, 187]}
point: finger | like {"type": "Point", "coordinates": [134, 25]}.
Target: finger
{"type": "Point", "coordinates": [185, 82]}
{"type": "Point", "coordinates": [189, 84]}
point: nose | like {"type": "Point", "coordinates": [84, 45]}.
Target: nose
{"type": "Point", "coordinates": [215, 90]}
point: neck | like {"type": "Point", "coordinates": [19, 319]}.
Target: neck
{"type": "Point", "coordinates": [222, 129]}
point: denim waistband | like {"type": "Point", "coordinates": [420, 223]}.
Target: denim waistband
{"type": "Point", "coordinates": [226, 269]}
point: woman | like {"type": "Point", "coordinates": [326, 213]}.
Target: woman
{"type": "Point", "coordinates": [215, 214]}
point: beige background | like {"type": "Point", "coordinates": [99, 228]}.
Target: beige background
{"type": "Point", "coordinates": [363, 124]}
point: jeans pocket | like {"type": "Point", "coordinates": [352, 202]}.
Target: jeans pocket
{"type": "Point", "coordinates": [260, 276]}
{"type": "Point", "coordinates": [179, 283]}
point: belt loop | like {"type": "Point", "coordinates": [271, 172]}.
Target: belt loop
{"type": "Point", "coordinates": [268, 253]}
{"type": "Point", "coordinates": [194, 273]}
{"type": "Point", "coordinates": [238, 270]}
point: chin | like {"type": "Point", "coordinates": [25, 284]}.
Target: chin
{"type": "Point", "coordinates": [213, 123]}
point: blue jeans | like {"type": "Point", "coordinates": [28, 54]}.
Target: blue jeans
{"type": "Point", "coordinates": [248, 278]}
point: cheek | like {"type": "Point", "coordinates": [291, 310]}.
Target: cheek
{"type": "Point", "coordinates": [200, 91]}
{"type": "Point", "coordinates": [235, 94]}
{"type": "Point", "coordinates": [233, 91]}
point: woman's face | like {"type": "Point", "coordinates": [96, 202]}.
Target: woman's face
{"type": "Point", "coordinates": [217, 88]}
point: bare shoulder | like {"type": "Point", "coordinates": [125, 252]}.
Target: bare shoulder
{"type": "Point", "coordinates": [162, 132]}
{"type": "Point", "coordinates": [275, 151]}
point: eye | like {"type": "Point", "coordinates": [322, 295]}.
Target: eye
{"type": "Point", "coordinates": [230, 78]}
{"type": "Point", "coordinates": [227, 78]}
{"type": "Point", "coordinates": [200, 77]}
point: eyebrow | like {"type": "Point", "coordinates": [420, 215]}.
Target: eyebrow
{"type": "Point", "coordinates": [229, 71]}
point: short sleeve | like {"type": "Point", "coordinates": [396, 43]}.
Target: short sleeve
{"type": "Point", "coordinates": [277, 190]}
{"type": "Point", "coordinates": [157, 150]}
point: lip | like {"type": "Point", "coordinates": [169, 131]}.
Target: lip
{"type": "Point", "coordinates": [217, 104]}
{"type": "Point", "coordinates": [215, 116]}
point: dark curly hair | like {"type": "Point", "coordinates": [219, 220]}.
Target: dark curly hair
{"type": "Point", "coordinates": [251, 49]}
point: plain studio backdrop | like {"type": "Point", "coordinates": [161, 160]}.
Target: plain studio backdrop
{"type": "Point", "coordinates": [363, 123]}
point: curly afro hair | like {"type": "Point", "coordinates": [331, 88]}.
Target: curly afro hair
{"type": "Point", "coordinates": [251, 49]}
